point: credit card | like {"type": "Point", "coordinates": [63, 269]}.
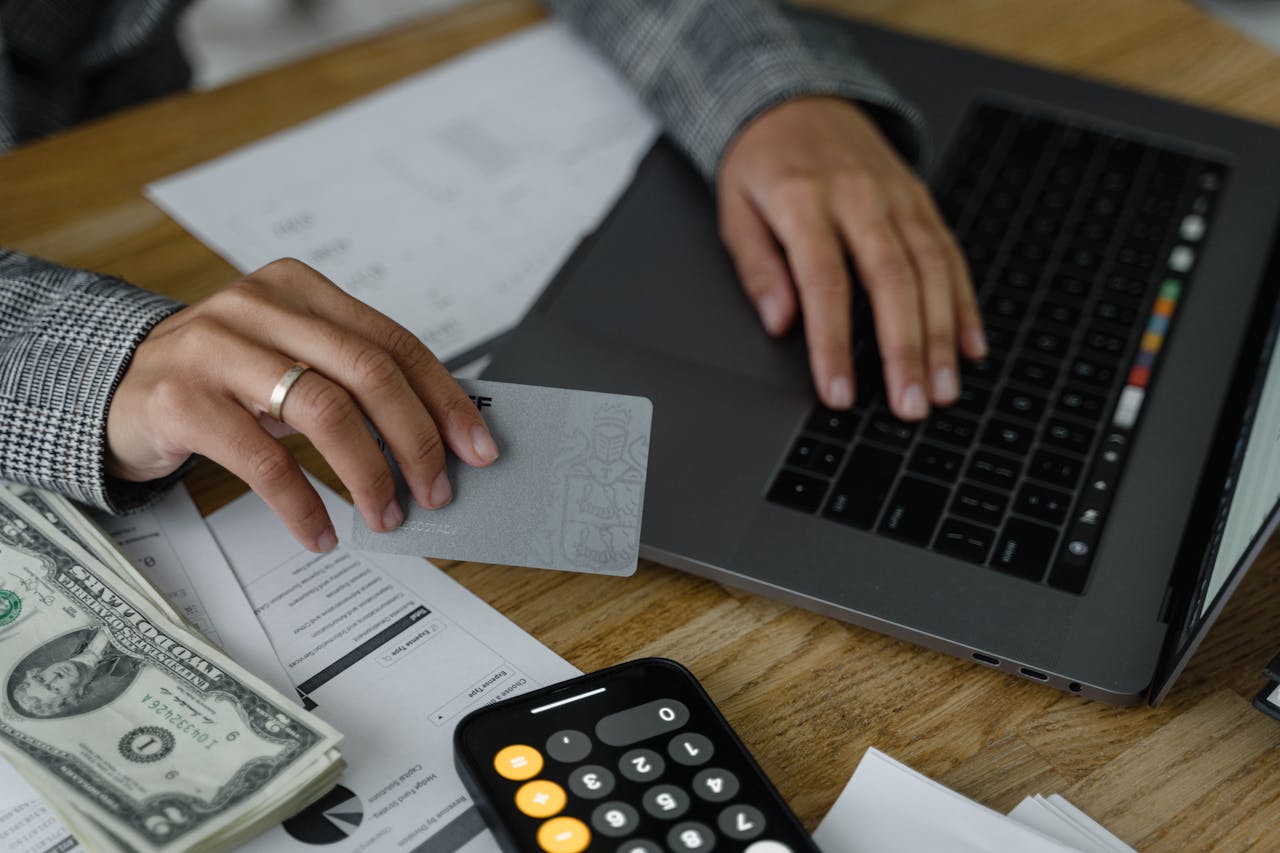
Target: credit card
{"type": "Point", "coordinates": [566, 492]}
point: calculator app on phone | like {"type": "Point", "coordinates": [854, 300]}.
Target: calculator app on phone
{"type": "Point", "coordinates": [635, 759]}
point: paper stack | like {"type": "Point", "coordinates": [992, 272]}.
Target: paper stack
{"type": "Point", "coordinates": [888, 807]}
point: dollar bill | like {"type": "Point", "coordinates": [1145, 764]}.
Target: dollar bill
{"type": "Point", "coordinates": [138, 731]}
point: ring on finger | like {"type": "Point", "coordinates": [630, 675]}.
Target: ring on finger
{"type": "Point", "coordinates": [281, 390]}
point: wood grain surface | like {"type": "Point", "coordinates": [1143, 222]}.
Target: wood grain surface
{"type": "Point", "coordinates": [808, 694]}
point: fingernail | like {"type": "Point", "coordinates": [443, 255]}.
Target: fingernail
{"type": "Point", "coordinates": [770, 308]}
{"type": "Point", "coordinates": [485, 447]}
{"type": "Point", "coordinates": [392, 516]}
{"type": "Point", "coordinates": [840, 393]}
{"type": "Point", "coordinates": [913, 403]}
{"type": "Point", "coordinates": [328, 540]}
{"type": "Point", "coordinates": [944, 385]}
{"type": "Point", "coordinates": [441, 491]}
{"type": "Point", "coordinates": [976, 342]}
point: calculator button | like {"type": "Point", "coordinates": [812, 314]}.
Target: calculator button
{"type": "Point", "coordinates": [690, 837]}
{"type": "Point", "coordinates": [691, 749]}
{"type": "Point", "coordinates": [741, 823]}
{"type": "Point", "coordinates": [568, 746]}
{"type": "Point", "coordinates": [768, 847]}
{"type": "Point", "coordinates": [518, 762]}
{"type": "Point", "coordinates": [715, 785]}
{"type": "Point", "coordinates": [639, 845]}
{"type": "Point", "coordinates": [642, 722]}
{"type": "Point", "coordinates": [642, 765]}
{"type": "Point", "coordinates": [615, 819]}
{"type": "Point", "coordinates": [591, 782]}
{"type": "Point", "coordinates": [666, 801]}
{"type": "Point", "coordinates": [564, 835]}
{"type": "Point", "coordinates": [540, 798]}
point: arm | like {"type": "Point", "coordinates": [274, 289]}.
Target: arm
{"type": "Point", "coordinates": [66, 338]}
{"type": "Point", "coordinates": [796, 133]}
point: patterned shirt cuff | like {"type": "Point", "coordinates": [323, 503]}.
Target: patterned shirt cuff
{"type": "Point", "coordinates": [66, 338]}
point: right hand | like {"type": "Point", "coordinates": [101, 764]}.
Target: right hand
{"type": "Point", "coordinates": [201, 382]}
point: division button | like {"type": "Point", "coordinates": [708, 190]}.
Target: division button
{"type": "Point", "coordinates": [666, 802]}
{"type": "Point", "coordinates": [741, 823]}
{"type": "Point", "coordinates": [715, 785]}
{"type": "Point", "coordinates": [540, 798]}
{"type": "Point", "coordinates": [641, 765]}
{"type": "Point", "coordinates": [564, 835]}
{"type": "Point", "coordinates": [615, 819]}
{"type": "Point", "coordinates": [691, 837]}
{"type": "Point", "coordinates": [568, 746]}
{"type": "Point", "coordinates": [690, 749]}
{"type": "Point", "coordinates": [591, 782]}
{"type": "Point", "coordinates": [518, 762]}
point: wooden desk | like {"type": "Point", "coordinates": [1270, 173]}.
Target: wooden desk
{"type": "Point", "coordinates": [808, 694]}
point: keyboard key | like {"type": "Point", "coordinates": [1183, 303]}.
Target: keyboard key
{"type": "Point", "coordinates": [1021, 404]}
{"type": "Point", "coordinates": [867, 480]}
{"type": "Point", "coordinates": [1049, 343]}
{"type": "Point", "coordinates": [833, 424]}
{"type": "Point", "coordinates": [1114, 312]}
{"type": "Point", "coordinates": [951, 429]}
{"type": "Point", "coordinates": [1043, 503]}
{"type": "Point", "coordinates": [826, 460]}
{"type": "Point", "coordinates": [1055, 468]}
{"type": "Point", "coordinates": [1024, 549]}
{"type": "Point", "coordinates": [802, 452]}
{"type": "Point", "coordinates": [1033, 372]}
{"type": "Point", "coordinates": [1093, 372]}
{"type": "Point", "coordinates": [1104, 343]}
{"type": "Point", "coordinates": [1006, 308]}
{"type": "Point", "coordinates": [986, 371]}
{"type": "Point", "coordinates": [913, 511]}
{"type": "Point", "coordinates": [1059, 313]}
{"type": "Point", "coordinates": [999, 338]}
{"type": "Point", "coordinates": [1080, 404]}
{"type": "Point", "coordinates": [1060, 433]}
{"type": "Point", "coordinates": [964, 541]}
{"type": "Point", "coordinates": [1009, 436]}
{"type": "Point", "coordinates": [798, 491]}
{"type": "Point", "coordinates": [973, 399]}
{"type": "Point", "coordinates": [994, 470]}
{"type": "Point", "coordinates": [1070, 287]}
{"type": "Point", "coordinates": [979, 504]}
{"type": "Point", "coordinates": [886, 429]}
{"type": "Point", "coordinates": [933, 461]}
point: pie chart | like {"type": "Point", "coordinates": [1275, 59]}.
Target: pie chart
{"type": "Point", "coordinates": [332, 818]}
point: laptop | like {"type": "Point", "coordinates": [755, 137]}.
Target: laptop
{"type": "Point", "coordinates": [1081, 514]}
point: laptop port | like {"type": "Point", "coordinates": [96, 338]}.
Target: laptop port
{"type": "Point", "coordinates": [987, 659]}
{"type": "Point", "coordinates": [1031, 673]}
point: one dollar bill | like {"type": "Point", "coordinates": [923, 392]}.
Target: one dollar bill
{"type": "Point", "coordinates": [138, 731]}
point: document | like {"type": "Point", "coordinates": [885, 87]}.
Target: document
{"type": "Point", "coordinates": [446, 201]}
{"type": "Point", "coordinates": [391, 652]}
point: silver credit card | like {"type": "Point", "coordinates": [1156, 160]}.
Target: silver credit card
{"type": "Point", "coordinates": [566, 492]}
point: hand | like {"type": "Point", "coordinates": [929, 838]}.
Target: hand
{"type": "Point", "coordinates": [801, 184]}
{"type": "Point", "coordinates": [201, 382]}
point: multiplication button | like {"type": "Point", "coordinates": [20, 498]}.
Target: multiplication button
{"type": "Point", "coordinates": [568, 746]}
{"type": "Point", "coordinates": [715, 785]}
{"type": "Point", "coordinates": [615, 819]}
{"type": "Point", "coordinates": [666, 802]}
{"type": "Point", "coordinates": [591, 782]}
{"type": "Point", "coordinates": [691, 837]}
{"type": "Point", "coordinates": [641, 765]}
{"type": "Point", "coordinates": [540, 798]}
{"type": "Point", "coordinates": [690, 749]}
{"type": "Point", "coordinates": [741, 823]}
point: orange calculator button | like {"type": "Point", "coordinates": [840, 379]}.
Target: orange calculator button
{"type": "Point", "coordinates": [518, 762]}
{"type": "Point", "coordinates": [540, 798]}
{"type": "Point", "coordinates": [564, 835]}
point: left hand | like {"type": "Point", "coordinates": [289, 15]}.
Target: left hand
{"type": "Point", "coordinates": [812, 178]}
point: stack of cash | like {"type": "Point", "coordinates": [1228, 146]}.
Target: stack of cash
{"type": "Point", "coordinates": [139, 732]}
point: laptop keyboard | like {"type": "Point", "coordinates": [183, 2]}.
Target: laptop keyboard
{"type": "Point", "coordinates": [1081, 244]}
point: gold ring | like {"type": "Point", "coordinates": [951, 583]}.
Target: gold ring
{"type": "Point", "coordinates": [281, 390]}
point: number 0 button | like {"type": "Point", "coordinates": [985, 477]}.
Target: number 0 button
{"type": "Point", "coordinates": [641, 765]}
{"type": "Point", "coordinates": [614, 819]}
{"type": "Point", "coordinates": [690, 749]}
{"type": "Point", "coordinates": [518, 762]}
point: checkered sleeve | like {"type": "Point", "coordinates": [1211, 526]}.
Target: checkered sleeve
{"type": "Point", "coordinates": [707, 67]}
{"type": "Point", "coordinates": [66, 337]}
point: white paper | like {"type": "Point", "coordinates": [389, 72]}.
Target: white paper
{"type": "Point", "coordinates": [27, 825]}
{"type": "Point", "coordinates": [446, 201]}
{"type": "Point", "coordinates": [171, 545]}
{"type": "Point", "coordinates": [1099, 832]}
{"type": "Point", "coordinates": [393, 653]}
{"type": "Point", "coordinates": [1035, 812]}
{"type": "Point", "coordinates": [889, 808]}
